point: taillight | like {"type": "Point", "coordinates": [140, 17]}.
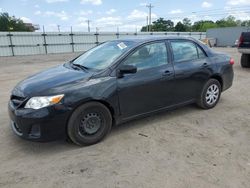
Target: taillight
{"type": "Point", "coordinates": [240, 40]}
{"type": "Point", "coordinates": [231, 62]}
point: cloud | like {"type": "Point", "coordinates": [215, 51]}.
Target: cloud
{"type": "Point", "coordinates": [238, 14]}
{"type": "Point", "coordinates": [111, 11]}
{"type": "Point", "coordinates": [176, 11]}
{"type": "Point", "coordinates": [56, 1]}
{"type": "Point", "coordinates": [26, 20]}
{"type": "Point", "coordinates": [85, 13]}
{"type": "Point", "coordinates": [206, 4]}
{"type": "Point", "coordinates": [81, 19]}
{"type": "Point", "coordinates": [62, 15]}
{"type": "Point", "coordinates": [143, 4]}
{"type": "Point", "coordinates": [93, 2]}
{"type": "Point", "coordinates": [1, 10]}
{"type": "Point", "coordinates": [241, 15]}
{"type": "Point", "coordinates": [37, 6]}
{"type": "Point", "coordinates": [238, 2]}
{"type": "Point", "coordinates": [137, 14]}
{"type": "Point", "coordinates": [38, 12]}
{"type": "Point", "coordinates": [109, 21]}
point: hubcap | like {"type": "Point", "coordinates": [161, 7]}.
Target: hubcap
{"type": "Point", "coordinates": [212, 94]}
{"type": "Point", "coordinates": [90, 124]}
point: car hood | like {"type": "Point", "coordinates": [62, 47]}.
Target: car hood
{"type": "Point", "coordinates": [51, 81]}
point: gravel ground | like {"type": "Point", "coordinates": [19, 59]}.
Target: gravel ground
{"type": "Point", "coordinates": [187, 147]}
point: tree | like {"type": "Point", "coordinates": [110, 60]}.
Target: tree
{"type": "Point", "coordinates": [230, 21]}
{"type": "Point", "coordinates": [245, 23]}
{"type": "Point", "coordinates": [144, 29]}
{"type": "Point", "coordinates": [203, 26]}
{"type": "Point", "coordinates": [180, 27]}
{"type": "Point", "coordinates": [161, 25]}
{"type": "Point", "coordinates": [187, 23]}
{"type": "Point", "coordinates": [8, 23]}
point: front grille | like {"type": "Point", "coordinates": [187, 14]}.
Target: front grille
{"type": "Point", "coordinates": [17, 101]}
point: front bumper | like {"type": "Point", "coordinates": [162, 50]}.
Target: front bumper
{"type": "Point", "coordinates": [45, 124]}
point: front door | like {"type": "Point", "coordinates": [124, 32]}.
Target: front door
{"type": "Point", "coordinates": [151, 87]}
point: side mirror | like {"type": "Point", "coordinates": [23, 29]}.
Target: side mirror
{"type": "Point", "coordinates": [126, 69]}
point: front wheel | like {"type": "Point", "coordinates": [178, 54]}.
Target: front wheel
{"type": "Point", "coordinates": [210, 94]}
{"type": "Point", "coordinates": [89, 123]}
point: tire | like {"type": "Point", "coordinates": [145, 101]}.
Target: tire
{"type": "Point", "coordinates": [210, 94]}
{"type": "Point", "coordinates": [245, 60]}
{"type": "Point", "coordinates": [89, 123]}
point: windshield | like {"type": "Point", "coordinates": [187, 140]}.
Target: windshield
{"type": "Point", "coordinates": [100, 57]}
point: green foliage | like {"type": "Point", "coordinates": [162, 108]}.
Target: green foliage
{"type": "Point", "coordinates": [187, 24]}
{"type": "Point", "coordinates": [245, 23]}
{"type": "Point", "coordinates": [227, 22]}
{"type": "Point", "coordinates": [203, 25]}
{"type": "Point", "coordinates": [180, 27]}
{"type": "Point", "coordinates": [8, 23]}
{"type": "Point", "coordinates": [163, 25]}
{"type": "Point", "coordinates": [199, 26]}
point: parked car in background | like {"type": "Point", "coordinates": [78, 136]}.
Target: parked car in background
{"type": "Point", "coordinates": [244, 48]}
{"type": "Point", "coordinates": [115, 82]}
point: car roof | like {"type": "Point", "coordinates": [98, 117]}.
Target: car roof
{"type": "Point", "coordinates": [142, 39]}
{"type": "Point", "coordinates": [139, 40]}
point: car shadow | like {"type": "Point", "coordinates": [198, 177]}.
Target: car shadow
{"type": "Point", "coordinates": [153, 118]}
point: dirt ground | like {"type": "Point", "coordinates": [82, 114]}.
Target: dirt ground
{"type": "Point", "coordinates": [187, 147]}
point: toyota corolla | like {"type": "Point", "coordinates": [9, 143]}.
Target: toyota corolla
{"type": "Point", "coordinates": [114, 82]}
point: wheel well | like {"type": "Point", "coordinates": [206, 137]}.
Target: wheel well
{"type": "Point", "coordinates": [106, 104]}
{"type": "Point", "coordinates": [110, 108]}
{"type": "Point", "coordinates": [217, 77]}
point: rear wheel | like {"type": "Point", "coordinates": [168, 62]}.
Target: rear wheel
{"type": "Point", "coordinates": [210, 94]}
{"type": "Point", "coordinates": [245, 60]}
{"type": "Point", "coordinates": [89, 123]}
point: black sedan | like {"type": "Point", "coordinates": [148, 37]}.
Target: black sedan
{"type": "Point", "coordinates": [114, 82]}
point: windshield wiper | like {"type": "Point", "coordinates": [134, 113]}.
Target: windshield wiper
{"type": "Point", "coordinates": [80, 66]}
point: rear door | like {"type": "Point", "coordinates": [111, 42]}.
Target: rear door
{"type": "Point", "coordinates": [192, 69]}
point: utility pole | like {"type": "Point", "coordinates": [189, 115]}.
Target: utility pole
{"type": "Point", "coordinates": [149, 15]}
{"type": "Point", "coordinates": [58, 27]}
{"type": "Point", "coordinates": [147, 24]}
{"type": "Point", "coordinates": [88, 21]}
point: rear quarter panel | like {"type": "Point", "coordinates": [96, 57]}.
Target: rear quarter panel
{"type": "Point", "coordinates": [224, 69]}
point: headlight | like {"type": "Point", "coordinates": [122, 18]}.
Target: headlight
{"type": "Point", "coordinates": [40, 102]}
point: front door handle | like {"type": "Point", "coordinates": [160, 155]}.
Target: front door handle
{"type": "Point", "coordinates": [205, 65]}
{"type": "Point", "coordinates": [167, 73]}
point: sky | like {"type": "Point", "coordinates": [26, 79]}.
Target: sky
{"type": "Point", "coordinates": [113, 15]}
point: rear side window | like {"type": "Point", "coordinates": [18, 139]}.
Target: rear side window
{"type": "Point", "coordinates": [186, 51]}
{"type": "Point", "coordinates": [201, 53]}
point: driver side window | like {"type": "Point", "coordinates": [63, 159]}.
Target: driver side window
{"type": "Point", "coordinates": [148, 56]}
